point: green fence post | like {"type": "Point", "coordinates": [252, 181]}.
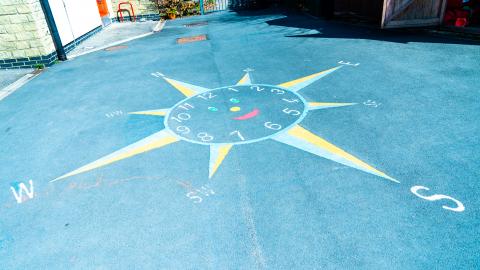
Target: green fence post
{"type": "Point", "coordinates": [202, 11]}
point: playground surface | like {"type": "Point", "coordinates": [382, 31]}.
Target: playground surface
{"type": "Point", "coordinates": [257, 141]}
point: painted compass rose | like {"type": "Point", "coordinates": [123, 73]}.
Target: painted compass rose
{"type": "Point", "coordinates": [233, 115]}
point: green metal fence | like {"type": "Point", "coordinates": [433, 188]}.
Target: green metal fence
{"type": "Point", "coordinates": [207, 6]}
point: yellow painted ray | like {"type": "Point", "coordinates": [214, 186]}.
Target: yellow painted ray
{"type": "Point", "coordinates": [300, 83]}
{"type": "Point", "coordinates": [185, 88]}
{"type": "Point", "coordinates": [305, 140]}
{"type": "Point", "coordinates": [218, 152]}
{"type": "Point", "coordinates": [245, 79]}
{"type": "Point", "coordinates": [325, 105]}
{"type": "Point", "coordinates": [151, 142]}
{"type": "Point", "coordinates": [159, 112]}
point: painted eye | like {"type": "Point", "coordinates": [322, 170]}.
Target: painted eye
{"type": "Point", "coordinates": [212, 109]}
{"type": "Point", "coordinates": [234, 100]}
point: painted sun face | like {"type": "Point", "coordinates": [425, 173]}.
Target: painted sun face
{"type": "Point", "coordinates": [236, 114]}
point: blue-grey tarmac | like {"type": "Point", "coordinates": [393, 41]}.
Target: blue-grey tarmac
{"type": "Point", "coordinates": [269, 205]}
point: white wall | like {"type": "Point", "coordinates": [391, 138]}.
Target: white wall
{"type": "Point", "coordinates": [110, 9]}
{"type": "Point", "coordinates": [82, 17]}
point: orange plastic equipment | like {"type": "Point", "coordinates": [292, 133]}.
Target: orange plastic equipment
{"type": "Point", "coordinates": [102, 8]}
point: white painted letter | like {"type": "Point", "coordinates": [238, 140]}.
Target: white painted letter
{"type": "Point", "coordinates": [157, 74]}
{"type": "Point", "coordinates": [21, 187]}
{"type": "Point", "coordinates": [349, 64]}
{"type": "Point", "coordinates": [436, 197]}
{"type": "Point", "coordinates": [192, 195]}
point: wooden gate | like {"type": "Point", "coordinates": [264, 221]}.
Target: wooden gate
{"type": "Point", "coordinates": [410, 13]}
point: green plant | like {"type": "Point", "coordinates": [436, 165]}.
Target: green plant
{"type": "Point", "coordinates": [209, 4]}
{"type": "Point", "coordinates": [190, 8]}
{"type": "Point", "coordinates": [39, 66]}
{"type": "Point", "coordinates": [177, 7]}
{"type": "Point", "coordinates": [166, 7]}
{"type": "Point", "coordinates": [172, 11]}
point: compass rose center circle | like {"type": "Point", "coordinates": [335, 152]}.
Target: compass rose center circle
{"type": "Point", "coordinates": [236, 114]}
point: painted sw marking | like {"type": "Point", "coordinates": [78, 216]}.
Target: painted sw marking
{"type": "Point", "coordinates": [291, 104]}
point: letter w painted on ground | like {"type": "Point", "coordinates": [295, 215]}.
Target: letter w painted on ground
{"type": "Point", "coordinates": [19, 188]}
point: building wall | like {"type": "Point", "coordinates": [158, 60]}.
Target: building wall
{"type": "Point", "coordinates": [24, 32]}
{"type": "Point", "coordinates": [75, 18]}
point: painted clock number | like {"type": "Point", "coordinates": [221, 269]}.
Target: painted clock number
{"type": "Point", "coordinates": [293, 100]}
{"type": "Point", "coordinates": [186, 106]}
{"type": "Point", "coordinates": [236, 132]}
{"type": "Point", "coordinates": [183, 129]}
{"type": "Point", "coordinates": [206, 96]}
{"type": "Point", "coordinates": [292, 112]}
{"type": "Point", "coordinates": [273, 126]}
{"type": "Point", "coordinates": [277, 91]}
{"type": "Point", "coordinates": [257, 88]}
{"type": "Point", "coordinates": [204, 136]}
{"type": "Point", "coordinates": [181, 117]}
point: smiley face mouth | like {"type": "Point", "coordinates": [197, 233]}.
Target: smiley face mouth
{"type": "Point", "coordinates": [249, 115]}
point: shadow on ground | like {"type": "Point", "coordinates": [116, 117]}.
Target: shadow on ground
{"type": "Point", "coordinates": [348, 30]}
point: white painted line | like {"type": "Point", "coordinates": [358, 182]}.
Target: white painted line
{"type": "Point", "coordinates": [158, 27]}
{"type": "Point", "coordinates": [110, 45]}
{"type": "Point", "coordinates": [17, 84]}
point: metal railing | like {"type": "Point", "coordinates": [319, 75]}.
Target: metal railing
{"type": "Point", "coordinates": [207, 6]}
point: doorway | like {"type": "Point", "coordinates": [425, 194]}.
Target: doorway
{"type": "Point", "coordinates": [402, 13]}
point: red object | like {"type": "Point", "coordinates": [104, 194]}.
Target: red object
{"type": "Point", "coordinates": [120, 10]}
{"type": "Point", "coordinates": [457, 17]}
{"type": "Point", "coordinates": [461, 22]}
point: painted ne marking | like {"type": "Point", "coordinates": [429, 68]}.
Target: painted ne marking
{"type": "Point", "coordinates": [157, 74]}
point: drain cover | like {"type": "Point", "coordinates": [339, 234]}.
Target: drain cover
{"type": "Point", "coordinates": [116, 48]}
{"type": "Point", "coordinates": [191, 39]}
{"type": "Point", "coordinates": [195, 24]}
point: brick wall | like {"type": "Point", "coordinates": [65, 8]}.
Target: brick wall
{"type": "Point", "coordinates": [23, 30]}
